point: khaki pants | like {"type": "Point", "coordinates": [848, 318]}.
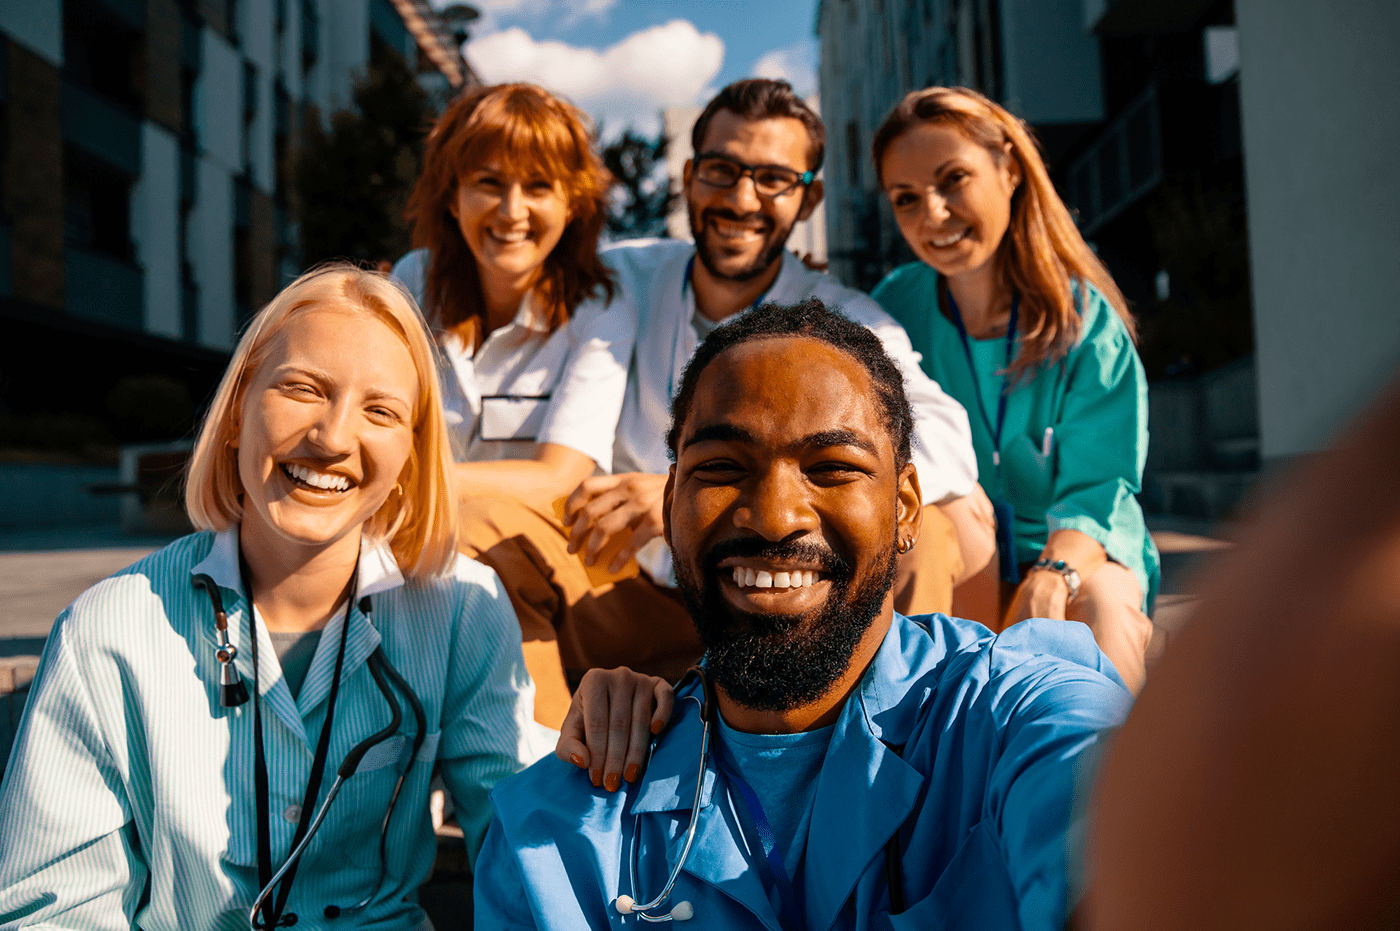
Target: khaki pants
{"type": "Point", "coordinates": [574, 618]}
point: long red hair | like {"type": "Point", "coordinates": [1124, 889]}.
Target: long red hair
{"type": "Point", "coordinates": [1042, 251]}
{"type": "Point", "coordinates": [530, 129]}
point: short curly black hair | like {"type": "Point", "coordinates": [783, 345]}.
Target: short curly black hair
{"type": "Point", "coordinates": [814, 320]}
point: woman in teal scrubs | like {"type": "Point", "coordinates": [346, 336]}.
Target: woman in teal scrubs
{"type": "Point", "coordinates": [1018, 319]}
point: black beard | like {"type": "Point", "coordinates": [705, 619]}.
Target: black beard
{"type": "Point", "coordinates": [773, 662]}
{"type": "Point", "coordinates": [764, 262]}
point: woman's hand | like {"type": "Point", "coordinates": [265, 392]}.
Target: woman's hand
{"type": "Point", "coordinates": [610, 723]}
{"type": "Point", "coordinates": [1042, 594]}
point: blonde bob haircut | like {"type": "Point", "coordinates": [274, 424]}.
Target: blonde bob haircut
{"type": "Point", "coordinates": [420, 521]}
{"type": "Point", "coordinates": [1042, 252]}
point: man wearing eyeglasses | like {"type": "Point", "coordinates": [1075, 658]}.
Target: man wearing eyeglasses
{"type": "Point", "coordinates": [758, 148]}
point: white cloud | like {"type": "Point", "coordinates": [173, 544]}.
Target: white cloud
{"type": "Point", "coordinates": [796, 64]}
{"type": "Point", "coordinates": [563, 14]}
{"type": "Point", "coordinates": [628, 83]}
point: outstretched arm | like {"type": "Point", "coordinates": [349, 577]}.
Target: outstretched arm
{"type": "Point", "coordinates": [554, 472]}
{"type": "Point", "coordinates": [1252, 788]}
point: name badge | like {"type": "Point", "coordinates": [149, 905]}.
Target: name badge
{"type": "Point", "coordinates": [512, 416]}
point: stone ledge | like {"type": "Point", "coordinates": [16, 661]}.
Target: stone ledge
{"type": "Point", "coordinates": [16, 672]}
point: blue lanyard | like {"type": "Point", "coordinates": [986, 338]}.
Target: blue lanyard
{"type": "Point", "coordinates": [791, 916]}
{"type": "Point", "coordinates": [977, 382]}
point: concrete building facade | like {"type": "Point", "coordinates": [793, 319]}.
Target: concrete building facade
{"type": "Point", "coordinates": [145, 164]}
{"type": "Point", "coordinates": [1226, 158]}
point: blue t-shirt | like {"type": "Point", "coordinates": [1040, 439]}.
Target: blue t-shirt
{"type": "Point", "coordinates": [782, 770]}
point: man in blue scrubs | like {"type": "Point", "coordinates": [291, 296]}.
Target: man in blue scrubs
{"type": "Point", "coordinates": [860, 768]}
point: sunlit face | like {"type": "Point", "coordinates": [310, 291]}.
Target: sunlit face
{"type": "Point", "coordinates": [326, 426]}
{"type": "Point", "coordinates": [951, 197]}
{"type": "Point", "coordinates": [782, 513]}
{"type": "Point", "coordinates": [511, 219]}
{"type": "Point", "coordinates": [738, 233]}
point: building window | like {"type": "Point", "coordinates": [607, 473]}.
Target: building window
{"type": "Point", "coordinates": [96, 206]}
{"type": "Point", "coordinates": [102, 53]}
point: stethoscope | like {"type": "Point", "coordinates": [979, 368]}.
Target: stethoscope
{"type": "Point", "coordinates": [233, 692]}
{"type": "Point", "coordinates": [684, 911]}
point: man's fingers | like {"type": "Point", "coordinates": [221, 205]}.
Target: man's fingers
{"type": "Point", "coordinates": [625, 515]}
{"type": "Point", "coordinates": [640, 537]}
{"type": "Point", "coordinates": [587, 490]}
{"type": "Point", "coordinates": [597, 512]}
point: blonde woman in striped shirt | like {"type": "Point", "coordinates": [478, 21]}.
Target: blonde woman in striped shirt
{"type": "Point", "coordinates": [166, 770]}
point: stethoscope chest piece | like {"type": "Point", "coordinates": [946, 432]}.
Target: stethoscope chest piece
{"type": "Point", "coordinates": [626, 905]}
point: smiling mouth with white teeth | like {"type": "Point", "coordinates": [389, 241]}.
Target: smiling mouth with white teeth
{"type": "Point", "coordinates": [955, 238]}
{"type": "Point", "coordinates": [510, 238]}
{"type": "Point", "coordinates": [759, 578]}
{"type": "Point", "coordinates": [310, 478]}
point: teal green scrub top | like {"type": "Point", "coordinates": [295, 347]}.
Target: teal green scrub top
{"type": "Point", "coordinates": [1075, 437]}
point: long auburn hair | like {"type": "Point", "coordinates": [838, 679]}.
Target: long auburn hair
{"type": "Point", "coordinates": [533, 131]}
{"type": "Point", "coordinates": [1042, 251]}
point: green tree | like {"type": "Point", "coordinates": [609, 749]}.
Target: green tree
{"type": "Point", "coordinates": [353, 182]}
{"type": "Point", "coordinates": [646, 198]}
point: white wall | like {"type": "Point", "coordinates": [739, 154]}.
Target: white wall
{"type": "Point", "coordinates": [155, 205]}
{"type": "Point", "coordinates": [35, 24]}
{"type": "Point", "coordinates": [211, 253]}
{"type": "Point", "coordinates": [219, 103]}
{"type": "Point", "coordinates": [1318, 83]}
{"type": "Point", "coordinates": [677, 122]}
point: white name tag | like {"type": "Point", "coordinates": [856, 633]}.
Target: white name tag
{"type": "Point", "coordinates": [512, 416]}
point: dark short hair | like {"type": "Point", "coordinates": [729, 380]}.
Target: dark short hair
{"type": "Point", "coordinates": [764, 99]}
{"type": "Point", "coordinates": [814, 320]}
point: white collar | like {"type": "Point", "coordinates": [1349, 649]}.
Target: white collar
{"type": "Point", "coordinates": [527, 317]}
{"type": "Point", "coordinates": [379, 571]}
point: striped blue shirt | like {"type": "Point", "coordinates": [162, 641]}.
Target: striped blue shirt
{"type": "Point", "coordinates": [129, 798]}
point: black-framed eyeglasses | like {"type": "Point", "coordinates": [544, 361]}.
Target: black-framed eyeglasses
{"type": "Point", "coordinates": [723, 172]}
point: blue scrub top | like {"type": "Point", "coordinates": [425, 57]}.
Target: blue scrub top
{"type": "Point", "coordinates": [967, 746]}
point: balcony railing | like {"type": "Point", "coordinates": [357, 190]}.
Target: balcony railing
{"type": "Point", "coordinates": [1121, 166]}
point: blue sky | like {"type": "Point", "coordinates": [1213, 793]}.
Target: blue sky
{"type": "Point", "coordinates": [624, 60]}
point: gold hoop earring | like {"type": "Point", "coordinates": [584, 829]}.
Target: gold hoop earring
{"type": "Point", "coordinates": [904, 546]}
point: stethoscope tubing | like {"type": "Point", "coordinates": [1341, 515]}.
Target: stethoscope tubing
{"type": "Point", "coordinates": [640, 910]}
{"type": "Point", "coordinates": [234, 693]}
{"type": "Point", "coordinates": [383, 673]}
